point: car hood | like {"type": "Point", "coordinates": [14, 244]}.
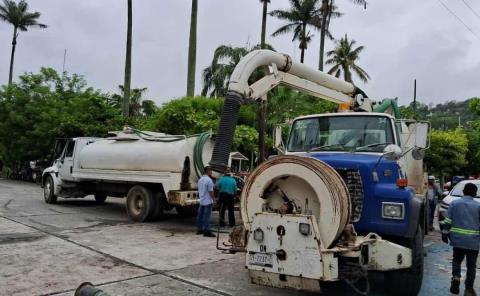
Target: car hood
{"type": "Point", "coordinates": [450, 198]}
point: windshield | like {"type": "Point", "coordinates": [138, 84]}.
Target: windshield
{"type": "Point", "coordinates": [458, 189]}
{"type": "Point", "coordinates": [341, 133]}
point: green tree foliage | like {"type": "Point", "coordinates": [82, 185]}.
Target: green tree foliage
{"type": "Point", "coordinates": [285, 104]}
{"type": "Point", "coordinates": [344, 58]}
{"type": "Point", "coordinates": [44, 106]}
{"type": "Point", "coordinates": [300, 15]}
{"type": "Point", "coordinates": [137, 105]}
{"type": "Point", "coordinates": [217, 75]}
{"type": "Point", "coordinates": [447, 153]}
{"type": "Point", "coordinates": [21, 19]}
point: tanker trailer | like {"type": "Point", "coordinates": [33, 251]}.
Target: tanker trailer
{"type": "Point", "coordinates": [155, 171]}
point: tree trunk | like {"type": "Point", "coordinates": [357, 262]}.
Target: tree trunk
{"type": "Point", "coordinates": [303, 42]}
{"type": "Point", "coordinates": [264, 24]}
{"type": "Point", "coordinates": [128, 64]}
{"type": "Point", "coordinates": [12, 57]}
{"type": "Point", "coordinates": [262, 122]}
{"type": "Point", "coordinates": [323, 31]}
{"type": "Point", "coordinates": [192, 50]}
{"type": "Point", "coordinates": [262, 112]}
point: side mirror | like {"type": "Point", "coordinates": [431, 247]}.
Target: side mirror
{"type": "Point", "coordinates": [277, 137]}
{"type": "Point", "coordinates": [422, 130]}
{"type": "Point", "coordinates": [392, 152]}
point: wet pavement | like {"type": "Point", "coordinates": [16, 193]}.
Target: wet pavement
{"type": "Point", "coordinates": [51, 249]}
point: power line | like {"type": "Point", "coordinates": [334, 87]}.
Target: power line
{"type": "Point", "coordinates": [471, 9]}
{"type": "Point", "coordinates": [459, 19]}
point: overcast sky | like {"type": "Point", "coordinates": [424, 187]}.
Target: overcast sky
{"type": "Point", "coordinates": [403, 39]}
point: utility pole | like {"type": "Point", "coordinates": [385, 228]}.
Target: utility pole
{"type": "Point", "coordinates": [415, 98]}
{"type": "Point", "coordinates": [64, 60]}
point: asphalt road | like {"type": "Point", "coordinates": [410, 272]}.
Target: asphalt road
{"type": "Point", "coordinates": [51, 249]}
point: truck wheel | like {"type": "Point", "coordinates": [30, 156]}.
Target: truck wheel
{"type": "Point", "coordinates": [140, 203]}
{"type": "Point", "coordinates": [100, 197]}
{"type": "Point", "coordinates": [407, 282]}
{"type": "Point", "coordinates": [49, 191]}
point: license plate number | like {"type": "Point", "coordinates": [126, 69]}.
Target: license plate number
{"type": "Point", "coordinates": [261, 259]}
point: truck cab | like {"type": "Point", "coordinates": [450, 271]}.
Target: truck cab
{"type": "Point", "coordinates": [355, 144]}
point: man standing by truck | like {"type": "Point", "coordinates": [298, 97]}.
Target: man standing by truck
{"type": "Point", "coordinates": [462, 228]}
{"type": "Point", "coordinates": [205, 192]}
{"type": "Point", "coordinates": [227, 188]}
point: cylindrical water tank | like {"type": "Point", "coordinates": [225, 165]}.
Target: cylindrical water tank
{"type": "Point", "coordinates": [143, 155]}
{"type": "Point", "coordinates": [312, 186]}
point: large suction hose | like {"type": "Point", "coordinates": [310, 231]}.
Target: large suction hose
{"type": "Point", "coordinates": [226, 131]}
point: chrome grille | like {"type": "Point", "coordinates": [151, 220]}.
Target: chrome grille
{"type": "Point", "coordinates": [353, 180]}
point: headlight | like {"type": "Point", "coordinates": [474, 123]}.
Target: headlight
{"type": "Point", "coordinates": [258, 235]}
{"type": "Point", "coordinates": [304, 228]}
{"type": "Point", "coordinates": [393, 210]}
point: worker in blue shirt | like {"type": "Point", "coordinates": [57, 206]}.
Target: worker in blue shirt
{"type": "Point", "coordinates": [462, 228]}
{"type": "Point", "coordinates": [227, 188]}
{"type": "Point", "coordinates": [205, 192]}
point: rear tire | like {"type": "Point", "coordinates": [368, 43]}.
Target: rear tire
{"type": "Point", "coordinates": [49, 191]}
{"type": "Point", "coordinates": [100, 197]}
{"type": "Point", "coordinates": [407, 282]}
{"type": "Point", "coordinates": [140, 203]}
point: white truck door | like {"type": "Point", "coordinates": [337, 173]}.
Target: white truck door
{"type": "Point", "coordinates": [65, 166]}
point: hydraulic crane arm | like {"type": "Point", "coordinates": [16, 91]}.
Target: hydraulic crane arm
{"type": "Point", "coordinates": [283, 70]}
{"type": "Point", "coordinates": [295, 75]}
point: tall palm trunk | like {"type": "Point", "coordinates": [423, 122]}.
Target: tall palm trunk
{"type": "Point", "coordinates": [12, 57]}
{"type": "Point", "coordinates": [192, 50]}
{"type": "Point", "coordinates": [128, 64]}
{"type": "Point", "coordinates": [303, 43]}
{"type": "Point", "coordinates": [323, 31]}
{"type": "Point", "coordinates": [262, 112]}
{"type": "Point", "coordinates": [264, 24]}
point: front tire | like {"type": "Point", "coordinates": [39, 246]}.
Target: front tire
{"type": "Point", "coordinates": [49, 191]}
{"type": "Point", "coordinates": [140, 203]}
{"type": "Point", "coordinates": [407, 282]}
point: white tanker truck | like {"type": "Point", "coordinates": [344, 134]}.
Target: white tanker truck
{"type": "Point", "coordinates": [154, 171]}
{"type": "Point", "coordinates": [314, 214]}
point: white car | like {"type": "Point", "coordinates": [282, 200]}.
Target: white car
{"type": "Point", "coordinates": [454, 194]}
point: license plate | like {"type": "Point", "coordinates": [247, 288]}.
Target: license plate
{"type": "Point", "coordinates": [261, 259]}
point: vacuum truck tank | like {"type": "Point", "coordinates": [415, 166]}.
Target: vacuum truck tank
{"type": "Point", "coordinates": [154, 171]}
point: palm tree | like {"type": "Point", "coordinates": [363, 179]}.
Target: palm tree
{"type": "Point", "coordinates": [21, 19]}
{"type": "Point", "coordinates": [327, 12]}
{"type": "Point", "coordinates": [299, 16]}
{"type": "Point", "coordinates": [264, 22]}
{"type": "Point", "coordinates": [192, 50]}
{"type": "Point", "coordinates": [128, 63]}
{"type": "Point", "coordinates": [343, 59]}
{"type": "Point", "coordinates": [225, 58]}
{"type": "Point", "coordinates": [137, 106]}
{"type": "Point", "coordinates": [216, 76]}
